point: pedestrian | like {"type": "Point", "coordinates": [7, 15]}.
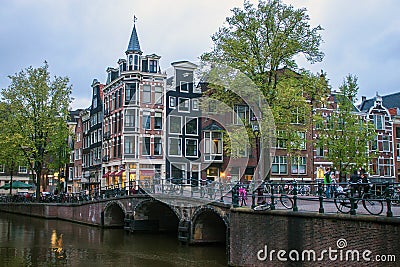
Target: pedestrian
{"type": "Point", "coordinates": [327, 182]}
{"type": "Point", "coordinates": [243, 196]}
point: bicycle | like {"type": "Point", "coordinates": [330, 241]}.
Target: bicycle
{"type": "Point", "coordinates": [285, 200]}
{"type": "Point", "coordinates": [372, 204]}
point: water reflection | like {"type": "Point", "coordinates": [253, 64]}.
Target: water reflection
{"type": "Point", "coordinates": [27, 241]}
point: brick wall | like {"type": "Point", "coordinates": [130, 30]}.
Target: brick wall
{"type": "Point", "coordinates": [250, 232]}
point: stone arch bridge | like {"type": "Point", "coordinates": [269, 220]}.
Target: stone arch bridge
{"type": "Point", "coordinates": [194, 222]}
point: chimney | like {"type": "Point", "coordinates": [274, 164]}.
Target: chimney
{"type": "Point", "coordinates": [363, 98]}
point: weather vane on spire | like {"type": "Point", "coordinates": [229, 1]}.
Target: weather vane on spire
{"type": "Point", "coordinates": [134, 19]}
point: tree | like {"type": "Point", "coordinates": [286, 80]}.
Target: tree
{"type": "Point", "coordinates": [345, 132]}
{"type": "Point", "coordinates": [263, 42]}
{"type": "Point", "coordinates": [10, 154]}
{"type": "Point", "coordinates": [39, 108]}
{"type": "Point", "coordinates": [260, 41]}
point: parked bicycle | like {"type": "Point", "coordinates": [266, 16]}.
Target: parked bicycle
{"type": "Point", "coordinates": [285, 200]}
{"type": "Point", "coordinates": [371, 202]}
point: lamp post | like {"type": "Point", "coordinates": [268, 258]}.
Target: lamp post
{"type": "Point", "coordinates": [256, 130]}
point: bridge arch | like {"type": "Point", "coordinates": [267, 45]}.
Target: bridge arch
{"type": "Point", "coordinates": [209, 225]}
{"type": "Point", "coordinates": [155, 216]}
{"type": "Point", "coordinates": [113, 214]}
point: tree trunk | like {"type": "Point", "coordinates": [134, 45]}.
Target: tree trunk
{"type": "Point", "coordinates": [38, 170]}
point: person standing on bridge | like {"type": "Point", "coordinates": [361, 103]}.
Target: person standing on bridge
{"type": "Point", "coordinates": [327, 182]}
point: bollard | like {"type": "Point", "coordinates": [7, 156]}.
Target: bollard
{"type": "Point", "coordinates": [352, 203]}
{"type": "Point", "coordinates": [253, 200]}
{"type": "Point", "coordinates": [389, 212]}
{"type": "Point", "coordinates": [295, 208]}
{"type": "Point", "coordinates": [235, 197]}
{"type": "Point", "coordinates": [320, 198]}
{"type": "Point", "coordinates": [272, 197]}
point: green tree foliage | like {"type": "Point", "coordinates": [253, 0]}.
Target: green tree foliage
{"type": "Point", "coordinates": [39, 108]}
{"type": "Point", "coordinates": [263, 42]}
{"type": "Point", "coordinates": [10, 154]}
{"type": "Point", "coordinates": [345, 132]}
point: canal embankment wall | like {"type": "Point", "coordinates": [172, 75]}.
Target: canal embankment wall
{"type": "Point", "coordinates": [286, 238]}
{"type": "Point", "coordinates": [87, 214]}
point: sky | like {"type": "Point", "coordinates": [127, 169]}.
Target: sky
{"type": "Point", "coordinates": [80, 39]}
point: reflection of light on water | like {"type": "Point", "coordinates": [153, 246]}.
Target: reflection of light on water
{"type": "Point", "coordinates": [57, 244]}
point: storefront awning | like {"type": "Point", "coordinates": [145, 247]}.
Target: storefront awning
{"type": "Point", "coordinates": [112, 173]}
{"type": "Point", "coordinates": [119, 173]}
{"type": "Point", "coordinates": [106, 175]}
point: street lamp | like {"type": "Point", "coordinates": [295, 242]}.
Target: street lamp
{"type": "Point", "coordinates": [256, 130]}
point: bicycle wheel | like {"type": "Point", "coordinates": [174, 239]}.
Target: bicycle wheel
{"type": "Point", "coordinates": [396, 199]}
{"type": "Point", "coordinates": [262, 207]}
{"type": "Point", "coordinates": [373, 205]}
{"type": "Point", "coordinates": [286, 201]}
{"type": "Point", "coordinates": [342, 203]}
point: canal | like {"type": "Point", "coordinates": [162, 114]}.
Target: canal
{"type": "Point", "coordinates": [29, 241]}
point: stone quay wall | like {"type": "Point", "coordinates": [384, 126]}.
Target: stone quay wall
{"type": "Point", "coordinates": [287, 238]}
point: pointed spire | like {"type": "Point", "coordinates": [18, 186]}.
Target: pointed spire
{"type": "Point", "coordinates": [134, 45]}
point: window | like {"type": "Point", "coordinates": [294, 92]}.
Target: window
{"type": "Point", "coordinates": [175, 125]}
{"type": "Point", "coordinates": [191, 148]}
{"type": "Point", "coordinates": [298, 165]}
{"type": "Point", "coordinates": [136, 62]}
{"type": "Point", "coordinates": [302, 141]}
{"type": "Point", "coordinates": [146, 146]}
{"type": "Point", "coordinates": [153, 66]}
{"type": "Point", "coordinates": [195, 104]}
{"type": "Point", "coordinates": [397, 132]}
{"type": "Point", "coordinates": [158, 95]}
{"type": "Point", "coordinates": [129, 145]}
{"type": "Point", "coordinates": [213, 146]}
{"type": "Point", "coordinates": [158, 120]}
{"type": "Point", "coordinates": [398, 151]}
{"type": "Point", "coordinates": [130, 118]}
{"type": "Point", "coordinates": [146, 94]}
{"type": "Point", "coordinates": [385, 167]}
{"type": "Point", "coordinates": [95, 102]}
{"type": "Point", "coordinates": [183, 104]}
{"type": "Point", "coordinates": [386, 143]}
{"type": "Point", "coordinates": [23, 169]}
{"type": "Point", "coordinates": [378, 121]}
{"type": "Point", "coordinates": [191, 126]}
{"type": "Point", "coordinates": [178, 170]}
{"type": "Point", "coordinates": [298, 116]}
{"type": "Point", "coordinates": [374, 144]}
{"type": "Point", "coordinates": [146, 120]}
{"type": "Point", "coordinates": [130, 93]}
{"type": "Point", "coordinates": [157, 146]}
{"type": "Point", "coordinates": [279, 165]}
{"type": "Point", "coordinates": [172, 101]}
{"type": "Point", "coordinates": [280, 139]}
{"type": "Point", "coordinates": [319, 151]}
{"type": "Point", "coordinates": [184, 86]}
{"type": "Point", "coordinates": [241, 114]}
{"type": "Point", "coordinates": [175, 146]}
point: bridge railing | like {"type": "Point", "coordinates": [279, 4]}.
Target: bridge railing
{"type": "Point", "coordinates": [303, 196]}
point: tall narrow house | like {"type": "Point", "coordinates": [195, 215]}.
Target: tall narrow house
{"type": "Point", "coordinates": [133, 118]}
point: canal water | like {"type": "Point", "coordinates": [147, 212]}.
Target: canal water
{"type": "Point", "coordinates": [28, 241]}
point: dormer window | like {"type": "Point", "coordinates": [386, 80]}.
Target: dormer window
{"type": "Point", "coordinates": [153, 66]}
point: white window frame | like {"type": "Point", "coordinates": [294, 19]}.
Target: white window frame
{"type": "Point", "coordinates": [187, 119]}
{"type": "Point", "coordinates": [187, 104]}
{"type": "Point", "coordinates": [184, 83]}
{"type": "Point", "coordinates": [179, 148]}
{"type": "Point", "coordinates": [197, 147]}
{"type": "Point", "coordinates": [22, 169]}
{"type": "Point", "coordinates": [195, 104]}
{"type": "Point", "coordinates": [280, 161]}
{"type": "Point", "coordinates": [169, 126]}
{"type": "Point", "coordinates": [172, 99]}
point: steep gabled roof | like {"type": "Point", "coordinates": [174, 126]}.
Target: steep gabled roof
{"type": "Point", "coordinates": [388, 101]}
